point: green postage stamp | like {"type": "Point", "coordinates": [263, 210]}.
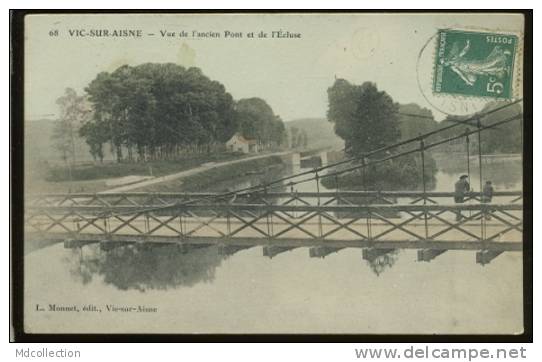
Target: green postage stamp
{"type": "Point", "coordinates": [475, 64]}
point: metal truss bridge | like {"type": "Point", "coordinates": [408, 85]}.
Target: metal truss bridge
{"type": "Point", "coordinates": [378, 222]}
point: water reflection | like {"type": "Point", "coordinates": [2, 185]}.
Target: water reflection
{"type": "Point", "coordinates": [198, 291]}
{"type": "Point", "coordinates": [383, 262]}
{"type": "Point", "coordinates": [152, 267]}
{"type": "Point", "coordinates": [143, 267]}
{"type": "Point", "coordinates": [163, 267]}
{"type": "Point", "coordinates": [505, 174]}
{"type": "Point", "coordinates": [254, 179]}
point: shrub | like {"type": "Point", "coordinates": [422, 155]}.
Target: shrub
{"type": "Point", "coordinates": [403, 173]}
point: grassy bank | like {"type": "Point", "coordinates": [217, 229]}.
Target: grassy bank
{"type": "Point", "coordinates": [205, 180]}
{"type": "Point", "coordinates": [41, 178]}
{"type": "Point", "coordinates": [39, 185]}
{"type": "Point", "coordinates": [154, 168]}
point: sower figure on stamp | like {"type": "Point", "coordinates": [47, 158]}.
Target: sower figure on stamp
{"type": "Point", "coordinates": [487, 195]}
{"type": "Point", "coordinates": [461, 188]}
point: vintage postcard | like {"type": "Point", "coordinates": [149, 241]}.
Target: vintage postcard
{"type": "Point", "coordinates": [275, 173]}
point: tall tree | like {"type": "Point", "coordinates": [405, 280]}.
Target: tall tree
{"type": "Point", "coordinates": [367, 119]}
{"type": "Point", "coordinates": [364, 117]}
{"type": "Point", "coordinates": [95, 136]}
{"type": "Point", "coordinates": [294, 131]}
{"type": "Point", "coordinates": [73, 111]}
{"type": "Point", "coordinates": [257, 121]}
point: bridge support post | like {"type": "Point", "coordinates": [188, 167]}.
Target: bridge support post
{"type": "Point", "coordinates": [72, 244]}
{"type": "Point", "coordinates": [370, 254]}
{"type": "Point", "coordinates": [226, 250]}
{"type": "Point", "coordinates": [186, 248]}
{"type": "Point", "coordinates": [272, 250]}
{"type": "Point", "coordinates": [110, 245]}
{"type": "Point", "coordinates": [322, 251]}
{"type": "Point", "coordinates": [486, 256]}
{"type": "Point", "coordinates": [429, 254]}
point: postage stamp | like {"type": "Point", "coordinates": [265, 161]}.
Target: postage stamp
{"type": "Point", "coordinates": [475, 64]}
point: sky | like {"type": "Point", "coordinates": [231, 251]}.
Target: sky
{"type": "Point", "coordinates": [291, 74]}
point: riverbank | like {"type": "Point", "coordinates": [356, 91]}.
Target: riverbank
{"type": "Point", "coordinates": [205, 179]}
{"type": "Point", "coordinates": [101, 177]}
{"type": "Point", "coordinates": [395, 174]}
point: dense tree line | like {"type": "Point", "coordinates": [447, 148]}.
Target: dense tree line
{"type": "Point", "coordinates": [507, 137]}
{"type": "Point", "coordinates": [504, 138]}
{"type": "Point", "coordinates": [159, 111]}
{"type": "Point", "coordinates": [415, 120]}
{"type": "Point", "coordinates": [256, 120]}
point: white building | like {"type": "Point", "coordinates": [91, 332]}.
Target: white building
{"type": "Point", "coordinates": [240, 144]}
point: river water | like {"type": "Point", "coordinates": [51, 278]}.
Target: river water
{"type": "Point", "coordinates": [205, 292]}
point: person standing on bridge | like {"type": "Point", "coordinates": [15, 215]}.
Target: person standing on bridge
{"type": "Point", "coordinates": [487, 195]}
{"type": "Point", "coordinates": [461, 188]}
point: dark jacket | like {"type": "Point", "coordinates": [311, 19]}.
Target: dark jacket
{"type": "Point", "coordinates": [487, 193]}
{"type": "Point", "coordinates": [461, 188]}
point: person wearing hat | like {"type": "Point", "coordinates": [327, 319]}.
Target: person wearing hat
{"type": "Point", "coordinates": [461, 188]}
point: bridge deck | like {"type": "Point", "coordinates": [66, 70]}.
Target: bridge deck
{"type": "Point", "coordinates": [284, 224]}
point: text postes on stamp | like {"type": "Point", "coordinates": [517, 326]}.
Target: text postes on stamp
{"type": "Point", "coordinates": [474, 64]}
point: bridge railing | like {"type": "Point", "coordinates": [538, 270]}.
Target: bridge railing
{"type": "Point", "coordinates": [146, 199]}
{"type": "Point", "coordinates": [76, 217]}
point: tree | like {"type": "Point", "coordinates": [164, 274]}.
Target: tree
{"type": "Point", "coordinates": [95, 137]}
{"type": "Point", "coordinates": [103, 95]}
{"type": "Point", "coordinates": [294, 131]}
{"type": "Point", "coordinates": [304, 139]}
{"type": "Point", "coordinates": [158, 110]}
{"type": "Point", "coordinates": [73, 111]}
{"type": "Point", "coordinates": [415, 120]}
{"type": "Point", "coordinates": [364, 117]}
{"type": "Point", "coordinates": [257, 120]}
{"type": "Point", "coordinates": [367, 119]}
{"type": "Point", "coordinates": [506, 137]}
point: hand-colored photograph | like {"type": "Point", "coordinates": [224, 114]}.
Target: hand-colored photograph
{"type": "Point", "coordinates": [274, 173]}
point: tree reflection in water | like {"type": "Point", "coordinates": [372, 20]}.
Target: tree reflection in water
{"type": "Point", "coordinates": [382, 262]}
{"type": "Point", "coordinates": [147, 267]}
{"type": "Point", "coordinates": [143, 267]}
